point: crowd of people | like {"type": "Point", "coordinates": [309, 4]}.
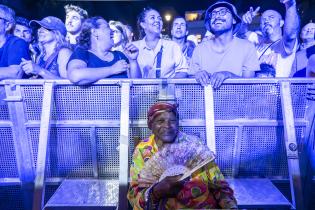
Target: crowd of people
{"type": "Point", "coordinates": [86, 49]}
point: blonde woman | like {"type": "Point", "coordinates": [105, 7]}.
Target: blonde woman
{"type": "Point", "coordinates": [54, 50]}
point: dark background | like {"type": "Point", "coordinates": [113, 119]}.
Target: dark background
{"type": "Point", "coordinates": [127, 11]}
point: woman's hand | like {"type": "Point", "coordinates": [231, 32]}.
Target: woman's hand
{"type": "Point", "coordinates": [131, 51]}
{"type": "Point", "coordinates": [120, 66]}
{"type": "Point", "coordinates": [29, 67]}
{"type": "Point", "coordinates": [169, 187]}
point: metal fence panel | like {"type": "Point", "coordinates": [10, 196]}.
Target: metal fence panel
{"type": "Point", "coordinates": [11, 198]}
{"type": "Point", "coordinates": [263, 152]}
{"type": "Point", "coordinates": [4, 111]}
{"type": "Point", "coordinates": [225, 137]}
{"type": "Point", "coordinates": [252, 149]}
{"type": "Point", "coordinates": [8, 167]}
{"type": "Point", "coordinates": [190, 98]}
{"type": "Point", "coordinates": [69, 152]}
{"type": "Point", "coordinates": [108, 152]}
{"type": "Point", "coordinates": [257, 101]}
{"type": "Point", "coordinates": [142, 97]}
{"type": "Point", "coordinates": [87, 103]}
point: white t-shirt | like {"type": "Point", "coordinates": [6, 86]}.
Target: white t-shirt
{"type": "Point", "coordinates": [276, 55]}
{"type": "Point", "coordinates": [239, 56]}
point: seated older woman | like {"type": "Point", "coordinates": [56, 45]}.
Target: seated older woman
{"type": "Point", "coordinates": [93, 59]}
{"type": "Point", "coordinates": [159, 162]}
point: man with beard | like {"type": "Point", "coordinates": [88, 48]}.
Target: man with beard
{"type": "Point", "coordinates": [224, 56]}
{"type": "Point", "coordinates": [74, 17]}
{"type": "Point", "coordinates": [179, 34]}
{"type": "Point", "coordinates": [276, 50]}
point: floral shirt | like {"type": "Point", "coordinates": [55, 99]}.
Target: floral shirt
{"type": "Point", "coordinates": [206, 188]}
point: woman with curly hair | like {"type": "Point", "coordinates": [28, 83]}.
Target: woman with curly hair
{"type": "Point", "coordinates": [54, 50]}
{"type": "Point", "coordinates": [93, 59]}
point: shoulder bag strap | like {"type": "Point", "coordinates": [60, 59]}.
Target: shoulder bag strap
{"type": "Point", "coordinates": [268, 48]}
{"type": "Point", "coordinates": [158, 63]}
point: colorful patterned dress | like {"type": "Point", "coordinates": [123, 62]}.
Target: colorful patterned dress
{"type": "Point", "coordinates": [206, 188]}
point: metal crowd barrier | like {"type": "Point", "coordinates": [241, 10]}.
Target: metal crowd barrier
{"type": "Point", "coordinates": [53, 131]}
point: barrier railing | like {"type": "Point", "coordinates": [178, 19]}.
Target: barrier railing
{"type": "Point", "coordinates": [88, 131]}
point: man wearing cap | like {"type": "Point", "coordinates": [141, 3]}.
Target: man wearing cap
{"type": "Point", "coordinates": [74, 18]}
{"type": "Point", "coordinates": [276, 48]}
{"type": "Point", "coordinates": [12, 49]}
{"type": "Point", "coordinates": [205, 189]}
{"type": "Point", "coordinates": [224, 56]}
{"type": "Point", "coordinates": [55, 53]}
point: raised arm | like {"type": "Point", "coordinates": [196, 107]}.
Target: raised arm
{"type": "Point", "coordinates": [132, 53]}
{"type": "Point", "coordinates": [291, 25]}
{"type": "Point", "coordinates": [247, 19]}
